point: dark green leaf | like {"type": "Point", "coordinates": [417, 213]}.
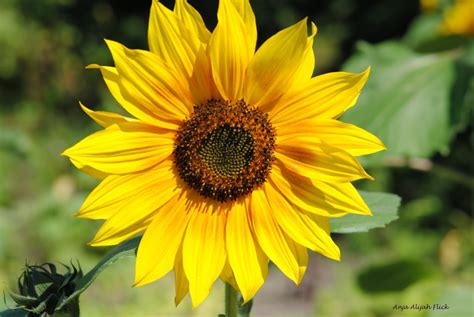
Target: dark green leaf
{"type": "Point", "coordinates": [384, 207]}
{"type": "Point", "coordinates": [23, 300]}
{"type": "Point", "coordinates": [407, 99]}
{"type": "Point", "coordinates": [392, 277]}
{"type": "Point", "coordinates": [125, 249]}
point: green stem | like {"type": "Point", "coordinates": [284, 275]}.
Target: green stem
{"type": "Point", "coordinates": [244, 309]}
{"type": "Point", "coordinates": [231, 305]}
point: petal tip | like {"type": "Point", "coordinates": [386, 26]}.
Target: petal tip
{"type": "Point", "coordinates": [142, 277]}
{"type": "Point", "coordinates": [78, 214]}
{"type": "Point", "coordinates": [197, 299]}
{"type": "Point", "coordinates": [314, 30]}
{"type": "Point", "coordinates": [178, 300]}
{"type": "Point", "coordinates": [84, 214]}
{"type": "Point", "coordinates": [100, 241]}
{"type": "Point", "coordinates": [93, 243]}
{"type": "Point", "coordinates": [336, 255]}
{"type": "Point", "coordinates": [369, 177]}
{"type": "Point", "coordinates": [246, 300]}
{"type": "Point", "coordinates": [93, 66]}
{"type": "Point", "coordinates": [84, 108]}
{"type": "Point", "coordinates": [363, 76]}
{"type": "Point", "coordinates": [112, 44]}
{"type": "Point", "coordinates": [140, 282]}
{"type": "Point", "coordinates": [66, 152]}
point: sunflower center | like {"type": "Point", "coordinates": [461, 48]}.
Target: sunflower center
{"type": "Point", "coordinates": [227, 151]}
{"type": "Point", "coordinates": [224, 150]}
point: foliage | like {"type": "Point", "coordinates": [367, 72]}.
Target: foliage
{"type": "Point", "coordinates": [125, 249]}
{"type": "Point", "coordinates": [419, 99]}
{"type": "Point", "coordinates": [404, 89]}
{"type": "Point", "coordinates": [42, 291]}
{"type": "Point", "coordinates": [384, 208]}
{"type": "Point", "coordinates": [397, 276]}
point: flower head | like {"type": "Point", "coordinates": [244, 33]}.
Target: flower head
{"type": "Point", "coordinates": [231, 157]}
{"type": "Point", "coordinates": [429, 5]}
{"type": "Point", "coordinates": [42, 290]}
{"type": "Point", "coordinates": [459, 18]}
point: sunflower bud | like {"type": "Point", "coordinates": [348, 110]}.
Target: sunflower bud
{"type": "Point", "coordinates": [42, 290]}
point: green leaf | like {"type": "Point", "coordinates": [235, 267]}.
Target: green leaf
{"type": "Point", "coordinates": [407, 99]}
{"type": "Point", "coordinates": [424, 35]}
{"type": "Point", "coordinates": [125, 249]}
{"type": "Point", "coordinates": [384, 208]}
{"type": "Point", "coordinates": [463, 90]}
{"type": "Point", "coordinates": [22, 300]}
{"type": "Point", "coordinates": [392, 277]}
{"type": "Point", "coordinates": [424, 28]}
{"type": "Point", "coordinates": [458, 300]}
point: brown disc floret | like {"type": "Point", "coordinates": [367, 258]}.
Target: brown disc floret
{"type": "Point", "coordinates": [225, 150]}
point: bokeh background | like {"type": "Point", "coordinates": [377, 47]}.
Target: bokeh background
{"type": "Point", "coordinates": [419, 101]}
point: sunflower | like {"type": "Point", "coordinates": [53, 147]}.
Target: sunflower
{"type": "Point", "coordinates": [231, 157]}
{"type": "Point", "coordinates": [429, 5]}
{"type": "Point", "coordinates": [459, 18]}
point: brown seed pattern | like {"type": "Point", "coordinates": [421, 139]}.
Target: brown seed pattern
{"type": "Point", "coordinates": [225, 150]}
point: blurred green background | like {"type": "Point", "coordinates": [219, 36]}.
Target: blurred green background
{"type": "Point", "coordinates": [419, 100]}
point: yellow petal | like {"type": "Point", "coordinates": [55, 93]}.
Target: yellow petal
{"type": "Point", "coordinates": [132, 106]}
{"type": "Point", "coordinates": [242, 252]}
{"type": "Point", "coordinates": [276, 65]}
{"type": "Point", "coordinates": [180, 280]}
{"type": "Point", "coordinates": [104, 118]}
{"type": "Point", "coordinates": [123, 148]}
{"type": "Point", "coordinates": [138, 209]}
{"type": "Point", "coordinates": [326, 96]}
{"type": "Point", "coordinates": [229, 52]}
{"type": "Point", "coordinates": [192, 20]}
{"type": "Point", "coordinates": [330, 250]}
{"type": "Point", "coordinates": [161, 242]}
{"type": "Point", "coordinates": [143, 196]}
{"type": "Point", "coordinates": [228, 276]}
{"type": "Point", "coordinates": [89, 170]}
{"type": "Point", "coordinates": [320, 161]}
{"type": "Point", "coordinates": [245, 10]}
{"type": "Point", "coordinates": [347, 137]}
{"type": "Point", "coordinates": [152, 83]}
{"type": "Point", "coordinates": [305, 70]}
{"type": "Point", "coordinates": [204, 252]}
{"type": "Point", "coordinates": [120, 234]}
{"type": "Point", "coordinates": [111, 193]}
{"type": "Point", "coordinates": [171, 40]}
{"type": "Point", "coordinates": [301, 256]}
{"type": "Point", "coordinates": [325, 199]}
{"type": "Point", "coordinates": [272, 239]}
{"type": "Point", "coordinates": [342, 196]}
{"type": "Point", "coordinates": [201, 83]}
{"type": "Point", "coordinates": [300, 226]}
